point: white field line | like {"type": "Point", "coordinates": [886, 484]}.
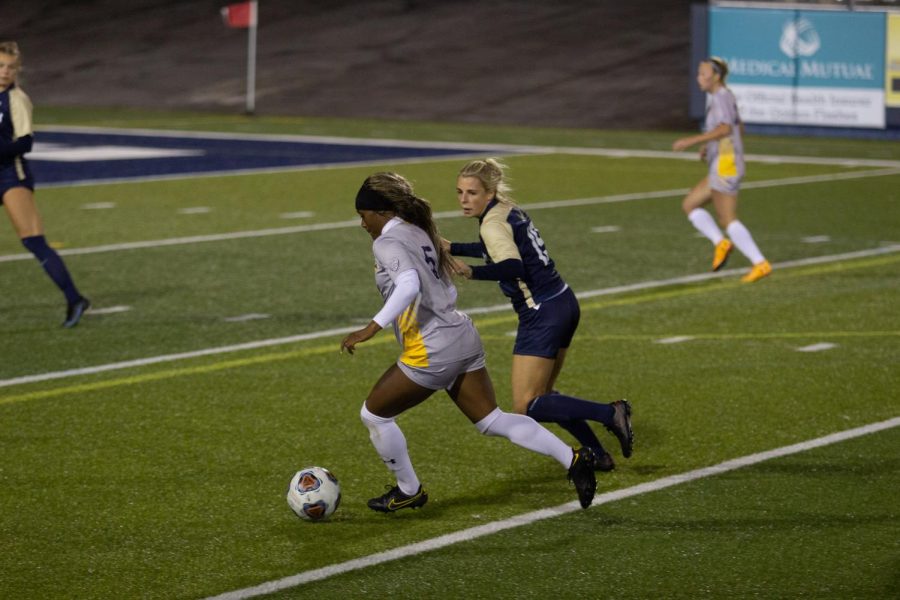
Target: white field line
{"type": "Point", "coordinates": [674, 340]}
{"type": "Point", "coordinates": [817, 347]}
{"type": "Point", "coordinates": [451, 214]}
{"type": "Point", "coordinates": [464, 146]}
{"type": "Point", "coordinates": [645, 285]}
{"type": "Point", "coordinates": [108, 310]}
{"type": "Point", "coordinates": [269, 170]}
{"type": "Point", "coordinates": [140, 362]}
{"type": "Point", "coordinates": [193, 239]}
{"type": "Point", "coordinates": [472, 533]}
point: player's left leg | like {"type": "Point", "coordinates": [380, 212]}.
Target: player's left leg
{"type": "Point", "coordinates": [542, 342]}
{"type": "Point", "coordinates": [726, 209]}
{"type": "Point", "coordinates": [555, 407]}
{"type": "Point", "coordinates": [703, 222]}
{"type": "Point", "coordinates": [580, 429]}
{"type": "Point", "coordinates": [393, 394]}
{"type": "Point", "coordinates": [22, 210]}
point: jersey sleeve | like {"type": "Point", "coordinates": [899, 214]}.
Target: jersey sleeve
{"type": "Point", "coordinates": [404, 293]}
{"type": "Point", "coordinates": [393, 257]}
{"type": "Point", "coordinates": [471, 249]}
{"type": "Point", "coordinates": [724, 110]}
{"type": "Point", "coordinates": [20, 109]}
{"type": "Point", "coordinates": [499, 240]}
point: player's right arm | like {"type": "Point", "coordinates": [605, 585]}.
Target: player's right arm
{"type": "Point", "coordinates": [20, 110]}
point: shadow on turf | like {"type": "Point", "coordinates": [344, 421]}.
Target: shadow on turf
{"type": "Point", "coordinates": [449, 505]}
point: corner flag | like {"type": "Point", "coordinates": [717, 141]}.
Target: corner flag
{"type": "Point", "coordinates": [240, 16]}
{"type": "Point", "coordinates": [243, 16]}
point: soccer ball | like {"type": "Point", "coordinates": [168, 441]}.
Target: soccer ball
{"type": "Point", "coordinates": [314, 493]}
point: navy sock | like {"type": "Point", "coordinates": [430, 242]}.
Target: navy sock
{"type": "Point", "coordinates": [53, 265]}
{"type": "Point", "coordinates": [557, 408]}
{"type": "Point", "coordinates": [582, 432]}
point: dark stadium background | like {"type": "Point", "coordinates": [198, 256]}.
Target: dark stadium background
{"type": "Point", "coordinates": [600, 64]}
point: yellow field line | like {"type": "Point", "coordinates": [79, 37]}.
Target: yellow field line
{"type": "Point", "coordinates": [482, 323]}
{"type": "Point", "coordinates": [171, 373]}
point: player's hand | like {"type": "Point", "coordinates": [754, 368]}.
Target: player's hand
{"type": "Point", "coordinates": [460, 268]}
{"type": "Point", "coordinates": [445, 245]}
{"type": "Point", "coordinates": [680, 144]}
{"type": "Point", "coordinates": [349, 343]}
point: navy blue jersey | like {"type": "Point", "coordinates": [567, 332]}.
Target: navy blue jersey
{"type": "Point", "coordinates": [507, 233]}
{"type": "Point", "coordinates": [15, 131]}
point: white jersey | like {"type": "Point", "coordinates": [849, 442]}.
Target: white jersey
{"type": "Point", "coordinates": [725, 156]}
{"type": "Point", "coordinates": [431, 331]}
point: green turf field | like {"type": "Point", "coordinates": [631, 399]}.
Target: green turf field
{"type": "Point", "coordinates": [167, 479]}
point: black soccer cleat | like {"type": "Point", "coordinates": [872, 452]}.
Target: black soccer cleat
{"type": "Point", "coordinates": [603, 461]}
{"type": "Point", "coordinates": [581, 473]}
{"type": "Point", "coordinates": [75, 311]}
{"type": "Point", "coordinates": [395, 500]}
{"type": "Point", "coordinates": [621, 427]}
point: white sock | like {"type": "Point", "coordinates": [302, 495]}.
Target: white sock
{"type": "Point", "coordinates": [741, 237]}
{"type": "Point", "coordinates": [390, 444]}
{"type": "Point", "coordinates": [705, 224]}
{"type": "Point", "coordinates": [526, 432]}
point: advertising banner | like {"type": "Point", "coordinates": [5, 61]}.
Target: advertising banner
{"type": "Point", "coordinates": [892, 60]}
{"type": "Point", "coordinates": [803, 67]}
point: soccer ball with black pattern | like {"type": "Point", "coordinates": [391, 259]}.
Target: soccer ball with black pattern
{"type": "Point", "coordinates": [314, 493]}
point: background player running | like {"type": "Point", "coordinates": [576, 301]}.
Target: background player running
{"type": "Point", "coordinates": [723, 148]}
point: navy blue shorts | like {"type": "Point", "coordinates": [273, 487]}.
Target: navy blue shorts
{"type": "Point", "coordinates": [543, 332]}
{"type": "Point", "coordinates": [9, 179]}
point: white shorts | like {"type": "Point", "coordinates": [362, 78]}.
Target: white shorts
{"type": "Point", "coordinates": [726, 185]}
{"type": "Point", "coordinates": [442, 377]}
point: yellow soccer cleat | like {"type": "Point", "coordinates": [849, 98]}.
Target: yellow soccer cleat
{"type": "Point", "coordinates": [723, 250]}
{"type": "Point", "coordinates": [758, 271]}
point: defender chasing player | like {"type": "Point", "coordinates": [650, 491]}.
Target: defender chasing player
{"type": "Point", "coordinates": [547, 308]}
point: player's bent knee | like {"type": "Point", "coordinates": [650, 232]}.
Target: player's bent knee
{"type": "Point", "coordinates": [484, 425]}
{"type": "Point", "coordinates": [689, 204]}
{"type": "Point", "coordinates": [369, 418]}
{"type": "Point", "coordinates": [521, 402]}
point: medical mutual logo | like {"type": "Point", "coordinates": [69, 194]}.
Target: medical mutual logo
{"type": "Point", "coordinates": [799, 43]}
{"type": "Point", "coordinates": [803, 66]}
{"type": "Point", "coordinates": [799, 38]}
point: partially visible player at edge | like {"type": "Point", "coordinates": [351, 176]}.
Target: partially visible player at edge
{"type": "Point", "coordinates": [548, 310]}
{"type": "Point", "coordinates": [441, 348]}
{"type": "Point", "coordinates": [723, 149]}
{"type": "Point", "coordinates": [17, 183]}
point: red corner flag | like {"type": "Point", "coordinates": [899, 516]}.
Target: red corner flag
{"type": "Point", "coordinates": [240, 16]}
